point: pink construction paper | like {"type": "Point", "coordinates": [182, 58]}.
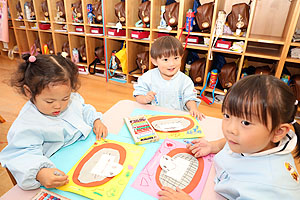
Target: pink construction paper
{"type": "Point", "coordinates": [3, 21]}
{"type": "Point", "coordinates": [146, 181]}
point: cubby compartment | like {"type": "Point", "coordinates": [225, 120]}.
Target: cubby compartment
{"type": "Point", "coordinates": [229, 46]}
{"type": "Point", "coordinates": [60, 28]}
{"type": "Point", "coordinates": [133, 14]}
{"type": "Point", "coordinates": [32, 26]}
{"type": "Point", "coordinates": [291, 68]}
{"type": "Point", "coordinates": [57, 11]}
{"type": "Point", "coordinates": [22, 42]}
{"type": "Point", "coordinates": [95, 31]}
{"type": "Point", "coordinates": [115, 72]}
{"type": "Point", "coordinates": [30, 13]}
{"type": "Point", "coordinates": [70, 11]}
{"type": "Point", "coordinates": [78, 42]}
{"type": "Point", "coordinates": [20, 24]}
{"type": "Point", "coordinates": [41, 6]}
{"type": "Point", "coordinates": [76, 29]}
{"type": "Point", "coordinates": [143, 50]}
{"type": "Point", "coordinates": [34, 42]}
{"type": "Point", "coordinates": [47, 43]}
{"type": "Point", "coordinates": [253, 65]}
{"type": "Point", "coordinates": [93, 12]}
{"type": "Point", "coordinates": [196, 41]}
{"type": "Point", "coordinates": [264, 50]}
{"type": "Point", "coordinates": [45, 27]}
{"type": "Point", "coordinates": [271, 21]}
{"type": "Point", "coordinates": [194, 64]}
{"type": "Point", "coordinates": [109, 12]}
{"type": "Point", "coordinates": [13, 11]}
{"type": "Point", "coordinates": [59, 41]}
{"type": "Point", "coordinates": [93, 44]}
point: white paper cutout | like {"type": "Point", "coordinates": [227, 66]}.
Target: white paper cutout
{"type": "Point", "coordinates": [174, 168]}
{"type": "Point", "coordinates": [107, 167]}
{"type": "Point", "coordinates": [172, 124]}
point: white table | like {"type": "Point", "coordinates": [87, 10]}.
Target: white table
{"type": "Point", "coordinates": [114, 120]}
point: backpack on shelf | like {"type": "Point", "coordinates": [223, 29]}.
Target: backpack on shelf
{"type": "Point", "coordinates": [120, 12]}
{"type": "Point", "coordinates": [197, 71]}
{"type": "Point", "coordinates": [227, 75]}
{"type": "Point", "coordinates": [238, 18]}
{"type": "Point", "coordinates": [66, 48]}
{"type": "Point", "coordinates": [144, 13]}
{"type": "Point", "coordinates": [171, 14]}
{"type": "Point", "coordinates": [97, 12]}
{"type": "Point", "coordinates": [99, 59]}
{"type": "Point", "coordinates": [142, 61]}
{"type": "Point", "coordinates": [204, 16]}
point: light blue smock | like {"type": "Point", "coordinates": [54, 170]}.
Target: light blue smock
{"type": "Point", "coordinates": [34, 137]}
{"type": "Point", "coordinates": [173, 93]}
{"type": "Point", "coordinates": [256, 177]}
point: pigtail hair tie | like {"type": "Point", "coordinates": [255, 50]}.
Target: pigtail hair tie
{"type": "Point", "coordinates": [296, 102]}
{"type": "Point", "coordinates": [32, 59]}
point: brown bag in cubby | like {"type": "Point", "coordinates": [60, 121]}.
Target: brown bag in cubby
{"type": "Point", "coordinates": [120, 12]}
{"type": "Point", "coordinates": [266, 70]}
{"type": "Point", "coordinates": [19, 10]}
{"type": "Point", "coordinates": [77, 9]}
{"type": "Point", "coordinates": [171, 14]}
{"type": "Point", "coordinates": [238, 17]}
{"type": "Point", "coordinates": [50, 46]}
{"type": "Point", "coordinates": [227, 76]}
{"type": "Point", "coordinates": [144, 12]}
{"type": "Point", "coordinates": [99, 59]}
{"type": "Point", "coordinates": [82, 53]}
{"type": "Point", "coordinates": [97, 12]}
{"type": "Point", "coordinates": [66, 48]}
{"type": "Point", "coordinates": [142, 61]}
{"type": "Point", "coordinates": [61, 14]}
{"type": "Point", "coordinates": [44, 6]}
{"type": "Point", "coordinates": [295, 85]}
{"type": "Point", "coordinates": [204, 16]}
{"type": "Point", "coordinates": [197, 70]}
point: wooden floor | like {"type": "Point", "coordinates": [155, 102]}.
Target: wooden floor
{"type": "Point", "coordinates": [95, 91]}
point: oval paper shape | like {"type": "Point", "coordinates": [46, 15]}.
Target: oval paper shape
{"type": "Point", "coordinates": [84, 167]}
{"type": "Point", "coordinates": [191, 177]}
{"type": "Point", "coordinates": [166, 117]}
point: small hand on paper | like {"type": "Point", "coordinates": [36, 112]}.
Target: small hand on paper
{"type": "Point", "coordinates": [47, 177]}
{"type": "Point", "coordinates": [192, 107]}
{"type": "Point", "coordinates": [150, 96]}
{"type": "Point", "coordinates": [100, 129]}
{"type": "Point", "coordinates": [169, 194]}
{"type": "Point", "coordinates": [200, 147]}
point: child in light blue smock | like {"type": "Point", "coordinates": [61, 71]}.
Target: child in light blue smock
{"type": "Point", "coordinates": [256, 159]}
{"type": "Point", "coordinates": [54, 117]}
{"type": "Point", "coordinates": [166, 85]}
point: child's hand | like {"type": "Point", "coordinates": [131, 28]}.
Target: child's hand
{"type": "Point", "coordinates": [169, 194]}
{"type": "Point", "coordinates": [52, 177]}
{"type": "Point", "coordinates": [197, 114]}
{"type": "Point", "coordinates": [200, 147]}
{"type": "Point", "coordinates": [100, 129]}
{"type": "Point", "coordinates": [150, 96]}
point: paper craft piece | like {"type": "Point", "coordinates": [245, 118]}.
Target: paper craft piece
{"type": "Point", "coordinates": [175, 126]}
{"type": "Point", "coordinates": [104, 170]}
{"type": "Point", "coordinates": [173, 165]}
{"type": "Point", "coordinates": [141, 130]}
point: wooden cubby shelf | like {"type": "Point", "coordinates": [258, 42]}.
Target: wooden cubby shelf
{"type": "Point", "coordinates": [267, 40]}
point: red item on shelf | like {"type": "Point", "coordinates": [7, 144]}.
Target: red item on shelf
{"type": "Point", "coordinates": [162, 34]}
{"type": "Point", "coordinates": [223, 44]}
{"type": "Point", "coordinates": [114, 32]}
{"type": "Point", "coordinates": [193, 39]}
{"type": "Point", "coordinates": [79, 29]}
{"type": "Point", "coordinates": [140, 34]}
{"type": "Point", "coordinates": [44, 26]}
{"type": "Point", "coordinates": [96, 30]}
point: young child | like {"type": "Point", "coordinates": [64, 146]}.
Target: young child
{"type": "Point", "coordinates": [53, 118]}
{"type": "Point", "coordinates": [255, 159]}
{"type": "Point", "coordinates": [166, 85]}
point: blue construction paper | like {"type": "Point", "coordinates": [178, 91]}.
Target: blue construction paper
{"type": "Point", "coordinates": [71, 154]}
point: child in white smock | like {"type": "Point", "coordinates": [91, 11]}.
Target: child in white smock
{"type": "Point", "coordinates": [166, 85]}
{"type": "Point", "coordinates": [255, 159]}
{"type": "Point", "coordinates": [54, 117]}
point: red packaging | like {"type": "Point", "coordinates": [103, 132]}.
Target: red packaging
{"type": "Point", "coordinates": [44, 26]}
{"type": "Point", "coordinates": [96, 30]}
{"type": "Point", "coordinates": [114, 32]}
{"type": "Point", "coordinates": [140, 34]}
{"type": "Point", "coordinates": [79, 29]}
{"type": "Point", "coordinates": [222, 44]}
{"type": "Point", "coordinates": [162, 34]}
{"type": "Point", "coordinates": [193, 39]}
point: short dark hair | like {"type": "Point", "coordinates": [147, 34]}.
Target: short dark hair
{"type": "Point", "coordinates": [44, 70]}
{"type": "Point", "coordinates": [166, 46]}
{"type": "Point", "coordinates": [263, 96]}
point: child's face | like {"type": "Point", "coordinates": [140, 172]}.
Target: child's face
{"type": "Point", "coordinates": [244, 136]}
{"type": "Point", "coordinates": [168, 66]}
{"type": "Point", "coordinates": [53, 99]}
